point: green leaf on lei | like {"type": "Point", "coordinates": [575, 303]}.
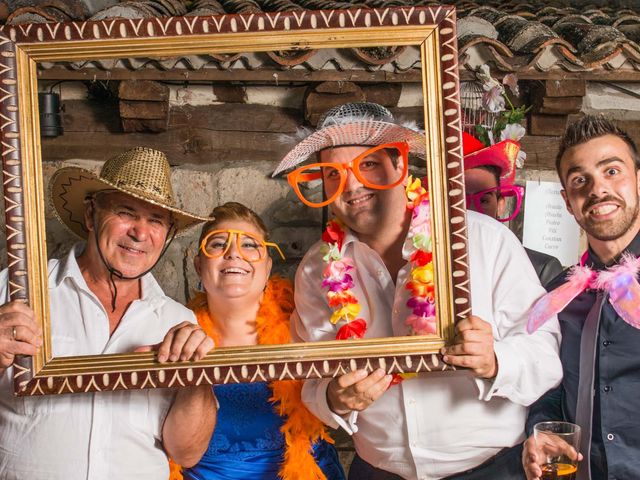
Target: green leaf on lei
{"type": "Point", "coordinates": [330, 252]}
{"type": "Point", "coordinates": [422, 242]}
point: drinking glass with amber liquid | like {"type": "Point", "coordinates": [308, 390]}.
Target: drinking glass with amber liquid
{"type": "Point", "coordinates": [558, 443]}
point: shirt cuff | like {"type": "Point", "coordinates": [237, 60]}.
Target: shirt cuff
{"type": "Point", "coordinates": [324, 413]}
{"type": "Point", "coordinates": [502, 384]}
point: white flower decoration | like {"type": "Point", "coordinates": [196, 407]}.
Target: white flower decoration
{"type": "Point", "coordinates": [511, 81]}
{"type": "Point", "coordinates": [512, 131]}
{"type": "Point", "coordinates": [484, 76]}
{"type": "Point", "coordinates": [493, 99]}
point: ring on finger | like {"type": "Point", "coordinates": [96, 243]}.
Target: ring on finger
{"type": "Point", "coordinates": [13, 332]}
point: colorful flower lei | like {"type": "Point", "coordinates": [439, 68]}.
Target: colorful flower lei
{"type": "Point", "coordinates": [339, 282]}
{"type": "Point", "coordinates": [422, 300]}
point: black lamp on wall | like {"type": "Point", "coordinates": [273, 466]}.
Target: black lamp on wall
{"type": "Point", "coordinates": [50, 118]}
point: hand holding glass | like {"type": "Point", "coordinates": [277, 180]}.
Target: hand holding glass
{"type": "Point", "coordinates": [558, 444]}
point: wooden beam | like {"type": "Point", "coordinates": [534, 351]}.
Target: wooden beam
{"type": "Point", "coordinates": [618, 76]}
{"type": "Point", "coordinates": [196, 135]}
{"type": "Point", "coordinates": [565, 88]}
{"type": "Point", "coordinates": [238, 117]}
{"type": "Point", "coordinates": [282, 76]}
{"type": "Point", "coordinates": [91, 116]}
{"type": "Point", "coordinates": [275, 77]}
{"type": "Point", "coordinates": [182, 146]}
{"type": "Point", "coordinates": [328, 95]}
{"type": "Point", "coordinates": [541, 151]}
{"type": "Point", "coordinates": [540, 124]}
{"type": "Point", "coordinates": [144, 110]}
{"type": "Point", "coordinates": [557, 105]}
{"type": "Point", "coordinates": [143, 90]}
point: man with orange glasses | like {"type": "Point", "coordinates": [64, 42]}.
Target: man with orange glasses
{"type": "Point", "coordinates": [458, 426]}
{"type": "Point", "coordinates": [489, 173]}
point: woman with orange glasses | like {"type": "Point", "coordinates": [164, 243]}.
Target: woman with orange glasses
{"type": "Point", "coordinates": [263, 430]}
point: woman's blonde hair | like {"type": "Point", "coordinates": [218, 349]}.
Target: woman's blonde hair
{"type": "Point", "coordinates": [234, 211]}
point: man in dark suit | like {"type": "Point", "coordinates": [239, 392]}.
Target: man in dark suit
{"type": "Point", "coordinates": [598, 166]}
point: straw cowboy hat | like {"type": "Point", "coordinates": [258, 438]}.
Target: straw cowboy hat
{"type": "Point", "coordinates": [502, 155]}
{"type": "Point", "coordinates": [354, 124]}
{"type": "Point", "coordinates": [141, 172]}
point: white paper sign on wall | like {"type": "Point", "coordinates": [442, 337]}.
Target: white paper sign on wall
{"type": "Point", "coordinates": [548, 227]}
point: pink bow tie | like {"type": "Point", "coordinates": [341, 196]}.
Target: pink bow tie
{"type": "Point", "coordinates": [619, 281]}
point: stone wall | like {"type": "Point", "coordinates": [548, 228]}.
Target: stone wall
{"type": "Point", "coordinates": [294, 227]}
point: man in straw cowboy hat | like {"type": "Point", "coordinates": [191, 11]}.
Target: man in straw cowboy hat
{"type": "Point", "coordinates": [371, 276]}
{"type": "Point", "coordinates": [104, 300]}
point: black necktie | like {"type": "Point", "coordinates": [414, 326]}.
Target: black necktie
{"type": "Point", "coordinates": [584, 407]}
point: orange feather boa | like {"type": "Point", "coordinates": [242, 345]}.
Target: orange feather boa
{"type": "Point", "coordinates": [300, 429]}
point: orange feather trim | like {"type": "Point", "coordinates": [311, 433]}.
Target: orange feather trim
{"type": "Point", "coordinates": [301, 429]}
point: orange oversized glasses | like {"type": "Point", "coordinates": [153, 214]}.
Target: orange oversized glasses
{"type": "Point", "coordinates": [251, 248]}
{"type": "Point", "coordinates": [381, 168]}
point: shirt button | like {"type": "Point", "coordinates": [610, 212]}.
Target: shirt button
{"type": "Point", "coordinates": [606, 343]}
{"type": "Point", "coordinates": [610, 436]}
{"type": "Point", "coordinates": [607, 388]}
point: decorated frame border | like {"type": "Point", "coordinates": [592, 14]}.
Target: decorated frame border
{"type": "Point", "coordinates": [21, 46]}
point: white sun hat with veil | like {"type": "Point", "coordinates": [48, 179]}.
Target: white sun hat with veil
{"type": "Point", "coordinates": [367, 124]}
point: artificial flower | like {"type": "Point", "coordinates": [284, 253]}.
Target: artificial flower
{"type": "Point", "coordinates": [421, 219]}
{"type": "Point", "coordinates": [422, 241]}
{"type": "Point", "coordinates": [338, 284]}
{"type": "Point", "coordinates": [422, 325]}
{"type": "Point", "coordinates": [334, 233]}
{"type": "Point", "coordinates": [347, 312]}
{"type": "Point", "coordinates": [330, 252]}
{"type": "Point", "coordinates": [512, 131]}
{"type": "Point", "coordinates": [415, 192]}
{"type": "Point", "coordinates": [493, 99]}
{"type": "Point", "coordinates": [484, 75]}
{"type": "Point", "coordinates": [420, 289]}
{"type": "Point", "coordinates": [511, 81]}
{"type": "Point", "coordinates": [423, 274]}
{"type": "Point", "coordinates": [337, 299]}
{"type": "Point", "coordinates": [422, 307]}
{"type": "Point", "coordinates": [337, 269]}
{"type": "Point", "coordinates": [353, 329]}
{"type": "Point", "coordinates": [421, 257]}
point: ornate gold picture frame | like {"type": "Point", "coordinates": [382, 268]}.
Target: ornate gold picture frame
{"type": "Point", "coordinates": [432, 29]}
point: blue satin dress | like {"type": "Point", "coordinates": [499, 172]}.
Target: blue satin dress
{"type": "Point", "coordinates": [247, 442]}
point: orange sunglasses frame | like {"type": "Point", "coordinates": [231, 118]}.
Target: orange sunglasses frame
{"type": "Point", "coordinates": [298, 174]}
{"type": "Point", "coordinates": [237, 233]}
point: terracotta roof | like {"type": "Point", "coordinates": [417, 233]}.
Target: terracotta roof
{"type": "Point", "coordinates": [523, 36]}
{"type": "Point", "coordinates": [520, 36]}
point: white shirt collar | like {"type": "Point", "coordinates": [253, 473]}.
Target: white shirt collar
{"type": "Point", "coordinates": [69, 269]}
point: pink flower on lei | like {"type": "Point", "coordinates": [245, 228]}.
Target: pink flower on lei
{"type": "Point", "coordinates": [421, 220]}
{"type": "Point", "coordinates": [337, 269]}
{"type": "Point", "coordinates": [422, 325]}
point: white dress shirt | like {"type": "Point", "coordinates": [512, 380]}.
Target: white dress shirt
{"type": "Point", "coordinates": [439, 424]}
{"type": "Point", "coordinates": [109, 435]}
